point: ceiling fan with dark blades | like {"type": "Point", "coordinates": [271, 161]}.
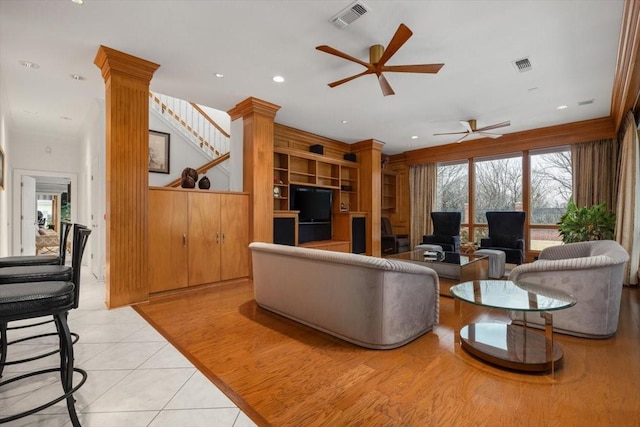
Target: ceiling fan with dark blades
{"type": "Point", "coordinates": [471, 129]}
{"type": "Point", "coordinates": [378, 57]}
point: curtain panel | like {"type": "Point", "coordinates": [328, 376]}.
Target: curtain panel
{"type": "Point", "coordinates": [422, 190]}
{"type": "Point", "coordinates": [595, 173]}
{"type": "Point", "coordinates": [628, 209]}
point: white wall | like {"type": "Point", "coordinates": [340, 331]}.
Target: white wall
{"type": "Point", "coordinates": [37, 154]}
{"type": "Point", "coordinates": [4, 194]}
{"type": "Point", "coordinates": [94, 161]}
{"type": "Point", "coordinates": [182, 154]}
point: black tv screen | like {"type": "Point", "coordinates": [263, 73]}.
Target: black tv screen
{"type": "Point", "coordinates": [313, 203]}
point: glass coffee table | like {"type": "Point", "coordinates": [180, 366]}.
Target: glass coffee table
{"type": "Point", "coordinates": [451, 265]}
{"type": "Point", "coordinates": [507, 345]}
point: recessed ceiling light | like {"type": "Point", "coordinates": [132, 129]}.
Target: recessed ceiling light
{"type": "Point", "coordinates": [278, 79]}
{"type": "Point", "coordinates": [29, 64]}
{"type": "Point", "coordinates": [77, 77]}
{"type": "Point", "coordinates": [344, 122]}
{"type": "Point", "coordinates": [561, 107]}
{"type": "Point", "coordinates": [78, 1]}
{"type": "Point", "coordinates": [414, 137]}
{"type": "Point", "coordinates": [219, 75]}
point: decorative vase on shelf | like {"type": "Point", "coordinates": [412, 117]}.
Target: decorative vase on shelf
{"type": "Point", "coordinates": [276, 192]}
{"type": "Point", "coordinates": [204, 183]}
{"type": "Point", "coordinates": [189, 178]}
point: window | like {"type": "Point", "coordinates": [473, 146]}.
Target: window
{"type": "Point", "coordinates": [498, 184]}
{"type": "Point", "coordinates": [453, 189]}
{"type": "Point", "coordinates": [551, 189]}
{"type": "Point", "coordinates": [453, 192]}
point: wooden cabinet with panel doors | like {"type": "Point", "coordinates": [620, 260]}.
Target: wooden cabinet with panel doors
{"type": "Point", "coordinates": [196, 237]}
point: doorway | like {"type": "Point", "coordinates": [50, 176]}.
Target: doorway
{"type": "Point", "coordinates": [56, 193]}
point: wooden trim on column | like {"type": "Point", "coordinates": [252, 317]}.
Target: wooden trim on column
{"type": "Point", "coordinates": [127, 81]}
{"type": "Point", "coordinates": [258, 135]}
{"type": "Point", "coordinates": [369, 154]}
{"type": "Point", "coordinates": [626, 86]}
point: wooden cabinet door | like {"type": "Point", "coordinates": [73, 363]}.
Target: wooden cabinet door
{"type": "Point", "coordinates": [205, 238]}
{"type": "Point", "coordinates": [234, 223]}
{"type": "Point", "coordinates": [167, 231]}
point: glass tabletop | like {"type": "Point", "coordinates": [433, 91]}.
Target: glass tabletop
{"type": "Point", "coordinates": [443, 257]}
{"type": "Point", "coordinates": [508, 295]}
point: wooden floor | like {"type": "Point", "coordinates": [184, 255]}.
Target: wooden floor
{"type": "Point", "coordinates": [282, 373]}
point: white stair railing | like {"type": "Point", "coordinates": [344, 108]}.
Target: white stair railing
{"type": "Point", "coordinates": [193, 124]}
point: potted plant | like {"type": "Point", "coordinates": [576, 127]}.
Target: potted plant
{"type": "Point", "coordinates": [583, 224]}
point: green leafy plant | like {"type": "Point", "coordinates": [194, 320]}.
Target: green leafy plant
{"type": "Point", "coordinates": [583, 224]}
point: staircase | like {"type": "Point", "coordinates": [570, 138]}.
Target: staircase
{"type": "Point", "coordinates": [193, 124]}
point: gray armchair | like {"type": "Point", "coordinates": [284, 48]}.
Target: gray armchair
{"type": "Point", "coordinates": [590, 271]}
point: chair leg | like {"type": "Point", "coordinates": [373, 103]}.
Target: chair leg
{"type": "Point", "coordinates": [66, 364]}
{"type": "Point", "coordinates": [3, 346]}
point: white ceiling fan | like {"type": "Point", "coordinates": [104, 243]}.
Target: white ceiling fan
{"type": "Point", "coordinates": [471, 129]}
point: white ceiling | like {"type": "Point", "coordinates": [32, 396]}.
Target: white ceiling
{"type": "Point", "coordinates": [572, 45]}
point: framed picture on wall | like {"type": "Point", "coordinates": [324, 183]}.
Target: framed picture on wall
{"type": "Point", "coordinates": [1, 169]}
{"type": "Point", "coordinates": [158, 151]}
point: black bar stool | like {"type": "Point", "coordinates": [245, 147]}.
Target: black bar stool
{"type": "Point", "coordinates": [57, 274]}
{"type": "Point", "coordinates": [20, 301]}
{"type": "Point", "coordinates": [17, 261]}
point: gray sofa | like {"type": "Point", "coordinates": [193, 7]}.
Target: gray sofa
{"type": "Point", "coordinates": [591, 272]}
{"type": "Point", "coordinates": [372, 302]}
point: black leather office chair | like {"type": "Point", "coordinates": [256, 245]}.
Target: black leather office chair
{"type": "Point", "coordinates": [392, 243]}
{"type": "Point", "coordinates": [506, 233]}
{"type": "Point", "coordinates": [446, 231]}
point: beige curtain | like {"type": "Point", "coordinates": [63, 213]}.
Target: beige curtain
{"type": "Point", "coordinates": [422, 196]}
{"type": "Point", "coordinates": [595, 173]}
{"type": "Point", "coordinates": [628, 209]}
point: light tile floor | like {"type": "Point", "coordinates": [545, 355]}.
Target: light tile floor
{"type": "Point", "coordinates": [136, 378]}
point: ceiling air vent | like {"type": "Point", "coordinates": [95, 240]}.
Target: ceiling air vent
{"type": "Point", "coordinates": [587, 102]}
{"type": "Point", "coordinates": [349, 14]}
{"type": "Point", "coordinates": [522, 65]}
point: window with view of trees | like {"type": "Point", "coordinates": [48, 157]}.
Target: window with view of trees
{"type": "Point", "coordinates": [551, 189]}
{"type": "Point", "coordinates": [499, 185]}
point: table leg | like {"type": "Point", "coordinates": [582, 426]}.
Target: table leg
{"type": "Point", "coordinates": [548, 333]}
{"type": "Point", "coordinates": [458, 323]}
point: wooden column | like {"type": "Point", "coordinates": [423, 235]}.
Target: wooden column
{"type": "Point", "coordinates": [369, 154]}
{"type": "Point", "coordinates": [258, 117]}
{"type": "Point", "coordinates": [127, 174]}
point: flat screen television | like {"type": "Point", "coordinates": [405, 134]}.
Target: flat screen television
{"type": "Point", "coordinates": [313, 203]}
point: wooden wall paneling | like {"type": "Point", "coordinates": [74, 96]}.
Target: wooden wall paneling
{"type": "Point", "coordinates": [204, 238]}
{"type": "Point", "coordinates": [167, 248]}
{"type": "Point", "coordinates": [369, 158]}
{"type": "Point", "coordinates": [258, 128]}
{"type": "Point", "coordinates": [288, 137]}
{"type": "Point", "coordinates": [626, 84]}
{"type": "Point", "coordinates": [401, 217]}
{"type": "Point", "coordinates": [127, 177]}
{"type": "Point", "coordinates": [553, 136]}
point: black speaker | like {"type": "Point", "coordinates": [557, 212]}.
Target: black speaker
{"type": "Point", "coordinates": [318, 149]}
{"type": "Point", "coordinates": [284, 231]}
{"type": "Point", "coordinates": [358, 235]}
{"type": "Point", "coordinates": [350, 156]}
